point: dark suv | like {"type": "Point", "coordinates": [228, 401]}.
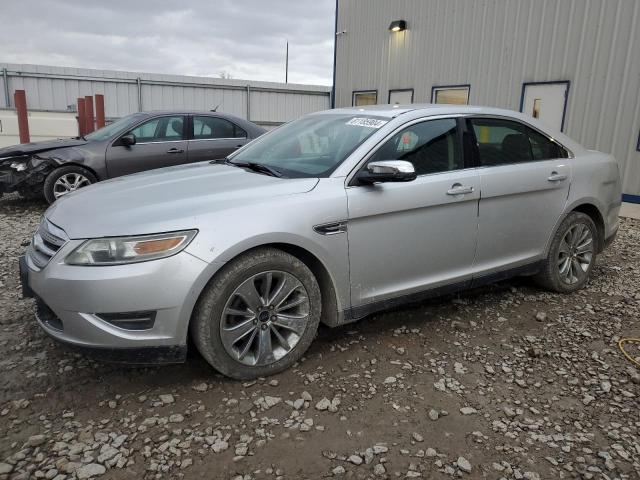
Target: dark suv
{"type": "Point", "coordinates": [137, 142]}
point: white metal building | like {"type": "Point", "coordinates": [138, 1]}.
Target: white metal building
{"type": "Point", "coordinates": [52, 93]}
{"type": "Point", "coordinates": [574, 64]}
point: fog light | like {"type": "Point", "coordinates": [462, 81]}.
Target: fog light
{"type": "Point", "coordinates": [129, 320]}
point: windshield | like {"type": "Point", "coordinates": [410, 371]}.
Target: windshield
{"type": "Point", "coordinates": [110, 130]}
{"type": "Point", "coordinates": [312, 146]}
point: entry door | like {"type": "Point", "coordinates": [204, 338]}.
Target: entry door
{"type": "Point", "coordinates": [409, 237]}
{"type": "Point", "coordinates": [160, 142]}
{"type": "Point", "coordinates": [546, 102]}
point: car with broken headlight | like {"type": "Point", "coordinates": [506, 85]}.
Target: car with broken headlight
{"type": "Point", "coordinates": [327, 219]}
{"type": "Point", "coordinates": [134, 143]}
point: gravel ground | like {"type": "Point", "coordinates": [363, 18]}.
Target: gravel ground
{"type": "Point", "coordinates": [506, 382]}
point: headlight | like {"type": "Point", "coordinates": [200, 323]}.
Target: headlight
{"type": "Point", "coordinates": [19, 166]}
{"type": "Point", "coordinates": [122, 250]}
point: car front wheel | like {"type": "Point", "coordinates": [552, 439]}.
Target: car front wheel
{"type": "Point", "coordinates": [572, 254]}
{"type": "Point", "coordinates": [65, 180]}
{"type": "Point", "coordinates": [258, 315]}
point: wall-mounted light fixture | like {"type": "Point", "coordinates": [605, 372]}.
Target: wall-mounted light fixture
{"type": "Point", "coordinates": [398, 26]}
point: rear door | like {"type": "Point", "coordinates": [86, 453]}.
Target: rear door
{"type": "Point", "coordinates": [160, 142]}
{"type": "Point", "coordinates": [524, 182]}
{"type": "Point", "coordinates": [213, 138]}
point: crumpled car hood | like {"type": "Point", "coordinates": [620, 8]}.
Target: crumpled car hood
{"type": "Point", "coordinates": [38, 147]}
{"type": "Point", "coordinates": [167, 199]}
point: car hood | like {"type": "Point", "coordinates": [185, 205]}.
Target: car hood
{"type": "Point", "coordinates": [166, 199]}
{"type": "Point", "coordinates": [37, 147]}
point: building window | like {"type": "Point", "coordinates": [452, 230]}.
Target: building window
{"type": "Point", "coordinates": [365, 97]}
{"type": "Point", "coordinates": [453, 94]}
{"type": "Point", "coordinates": [401, 96]}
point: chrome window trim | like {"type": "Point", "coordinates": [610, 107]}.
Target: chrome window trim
{"type": "Point", "coordinates": [163, 141]}
{"type": "Point", "coordinates": [221, 138]}
{"type": "Point", "coordinates": [378, 145]}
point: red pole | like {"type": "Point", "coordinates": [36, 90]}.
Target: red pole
{"type": "Point", "coordinates": [82, 117]}
{"type": "Point", "coordinates": [99, 111]}
{"type": "Point", "coordinates": [88, 106]}
{"type": "Point", "coordinates": [20, 101]}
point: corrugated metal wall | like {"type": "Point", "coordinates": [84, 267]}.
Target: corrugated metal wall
{"type": "Point", "coordinates": [57, 89]}
{"type": "Point", "coordinates": [496, 46]}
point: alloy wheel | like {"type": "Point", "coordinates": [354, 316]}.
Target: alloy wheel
{"type": "Point", "coordinates": [575, 253]}
{"type": "Point", "coordinates": [264, 318]}
{"type": "Point", "coordinates": [69, 182]}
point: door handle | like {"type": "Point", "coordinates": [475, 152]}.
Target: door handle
{"type": "Point", "coordinates": [457, 189]}
{"type": "Point", "coordinates": [557, 177]}
{"type": "Point", "coordinates": [175, 150]}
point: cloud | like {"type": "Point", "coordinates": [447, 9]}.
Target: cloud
{"type": "Point", "coordinates": [245, 38]}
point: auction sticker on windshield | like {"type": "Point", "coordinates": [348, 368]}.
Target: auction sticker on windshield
{"type": "Point", "coordinates": [367, 122]}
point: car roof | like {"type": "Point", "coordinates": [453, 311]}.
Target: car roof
{"type": "Point", "coordinates": [392, 111]}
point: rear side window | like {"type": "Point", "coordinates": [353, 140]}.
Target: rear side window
{"type": "Point", "coordinates": [205, 127]}
{"type": "Point", "coordinates": [432, 146]}
{"type": "Point", "coordinates": [503, 142]}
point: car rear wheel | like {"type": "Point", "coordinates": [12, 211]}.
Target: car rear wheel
{"type": "Point", "coordinates": [65, 180]}
{"type": "Point", "coordinates": [258, 315]}
{"type": "Point", "coordinates": [572, 254]}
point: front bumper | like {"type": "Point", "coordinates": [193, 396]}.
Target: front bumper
{"type": "Point", "coordinates": [74, 304]}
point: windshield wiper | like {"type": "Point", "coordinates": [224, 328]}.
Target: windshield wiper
{"type": "Point", "coordinates": [258, 167]}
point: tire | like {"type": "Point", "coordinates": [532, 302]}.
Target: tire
{"type": "Point", "coordinates": [226, 312]}
{"type": "Point", "coordinates": [554, 274]}
{"type": "Point", "coordinates": [54, 190]}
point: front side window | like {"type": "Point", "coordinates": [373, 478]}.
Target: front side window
{"type": "Point", "coordinates": [362, 99]}
{"type": "Point", "coordinates": [114, 128]}
{"type": "Point", "coordinates": [206, 127]}
{"type": "Point", "coordinates": [432, 146]}
{"type": "Point", "coordinates": [161, 129]}
{"type": "Point", "coordinates": [311, 146]}
{"type": "Point", "coordinates": [502, 142]}
{"type": "Point", "coordinates": [456, 95]}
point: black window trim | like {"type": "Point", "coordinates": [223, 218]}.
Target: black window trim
{"type": "Point", "coordinates": [461, 86]}
{"type": "Point", "coordinates": [393, 90]}
{"type": "Point", "coordinates": [355, 92]}
{"type": "Point", "coordinates": [185, 120]}
{"type": "Point", "coordinates": [191, 134]}
{"type": "Point", "coordinates": [476, 153]}
{"type": "Point", "coordinates": [351, 176]}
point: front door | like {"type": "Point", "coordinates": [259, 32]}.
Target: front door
{"type": "Point", "coordinates": [547, 102]}
{"type": "Point", "coordinates": [160, 142]}
{"type": "Point", "coordinates": [524, 181]}
{"type": "Point", "coordinates": [214, 138]}
{"type": "Point", "coordinates": [405, 238]}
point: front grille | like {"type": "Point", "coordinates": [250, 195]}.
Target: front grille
{"type": "Point", "coordinates": [45, 243]}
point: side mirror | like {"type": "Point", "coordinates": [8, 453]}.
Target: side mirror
{"type": "Point", "coordinates": [387, 171]}
{"type": "Point", "coordinates": [128, 139]}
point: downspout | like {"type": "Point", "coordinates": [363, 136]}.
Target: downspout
{"type": "Point", "coordinates": [248, 103]}
{"type": "Point", "coordinates": [139, 83]}
{"type": "Point", "coordinates": [5, 78]}
{"type": "Point", "coordinates": [335, 49]}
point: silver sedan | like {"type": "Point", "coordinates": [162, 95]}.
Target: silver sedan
{"type": "Point", "coordinates": [327, 219]}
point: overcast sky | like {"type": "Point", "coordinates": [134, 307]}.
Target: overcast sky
{"type": "Point", "coordinates": [245, 38]}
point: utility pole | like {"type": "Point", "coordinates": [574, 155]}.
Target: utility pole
{"type": "Point", "coordinates": [286, 65]}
